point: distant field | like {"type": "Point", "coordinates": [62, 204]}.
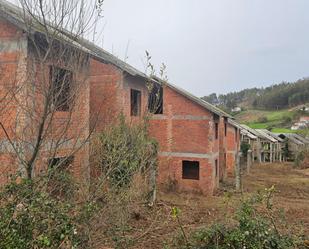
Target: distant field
{"type": "Point", "coordinates": [282, 130]}
{"type": "Point", "coordinates": [277, 121]}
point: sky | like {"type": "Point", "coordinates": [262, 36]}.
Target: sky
{"type": "Point", "coordinates": [211, 45]}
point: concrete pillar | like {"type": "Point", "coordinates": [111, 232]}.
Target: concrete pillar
{"type": "Point", "coordinates": [238, 173]}
{"type": "Point", "coordinates": [278, 152]}
{"type": "Point", "coordinates": [252, 156]}
{"type": "Point", "coordinates": [249, 161]}
{"type": "Point", "coordinates": [259, 150]}
{"type": "Point", "coordinates": [263, 156]}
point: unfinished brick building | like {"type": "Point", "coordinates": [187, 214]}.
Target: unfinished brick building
{"type": "Point", "coordinates": [232, 145]}
{"type": "Point", "coordinates": [186, 127]}
{"type": "Point", "coordinates": [38, 125]}
{"type": "Point", "coordinates": [197, 144]}
{"type": "Point", "coordinates": [188, 133]}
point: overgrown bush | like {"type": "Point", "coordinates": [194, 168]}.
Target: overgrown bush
{"type": "Point", "coordinates": [257, 225]}
{"type": "Point", "coordinates": [124, 159]}
{"type": "Point", "coordinates": [244, 147]}
{"type": "Point", "coordinates": [52, 211]}
{"type": "Point", "coordinates": [32, 218]}
{"type": "Point", "coordinates": [287, 120]}
{"type": "Point", "coordinates": [124, 150]}
{"type": "Point", "coordinates": [302, 159]}
{"type": "Point", "coordinates": [61, 183]}
{"type": "Point", "coordinates": [286, 150]}
{"type": "Point", "coordinates": [263, 119]}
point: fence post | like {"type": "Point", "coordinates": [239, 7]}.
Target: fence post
{"type": "Point", "coordinates": [249, 161]}
{"type": "Point", "coordinates": [238, 182]}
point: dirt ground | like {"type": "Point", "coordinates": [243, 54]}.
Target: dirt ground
{"type": "Point", "coordinates": [154, 227]}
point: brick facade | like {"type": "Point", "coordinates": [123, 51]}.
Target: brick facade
{"type": "Point", "coordinates": [19, 67]}
{"type": "Point", "coordinates": [232, 148]}
{"type": "Point", "coordinates": [185, 132]}
{"type": "Point", "coordinates": [197, 145]}
{"type": "Point", "coordinates": [12, 57]}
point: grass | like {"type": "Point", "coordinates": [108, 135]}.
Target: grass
{"type": "Point", "coordinates": [277, 121]}
{"type": "Point", "coordinates": [258, 125]}
{"type": "Point", "coordinates": [282, 130]}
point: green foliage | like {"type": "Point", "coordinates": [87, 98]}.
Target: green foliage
{"type": "Point", "coordinates": [262, 119]}
{"type": "Point", "coordinates": [278, 96]}
{"type": "Point", "coordinates": [212, 98]}
{"type": "Point", "coordinates": [32, 218]}
{"type": "Point", "coordinates": [257, 226]}
{"type": "Point", "coordinates": [258, 125]}
{"type": "Point", "coordinates": [282, 130]}
{"type": "Point", "coordinates": [61, 183]}
{"type": "Point", "coordinates": [286, 149]}
{"type": "Point", "coordinates": [302, 158]}
{"type": "Point", "coordinates": [125, 150]}
{"type": "Point", "coordinates": [272, 120]}
{"type": "Point", "coordinates": [244, 147]}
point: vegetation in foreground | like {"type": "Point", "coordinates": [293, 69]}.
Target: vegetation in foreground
{"type": "Point", "coordinates": [36, 217]}
{"type": "Point", "coordinates": [53, 211]}
{"type": "Point", "coordinates": [256, 224]}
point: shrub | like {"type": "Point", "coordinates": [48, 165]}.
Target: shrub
{"type": "Point", "coordinates": [124, 150]}
{"type": "Point", "coordinates": [263, 119]}
{"type": "Point", "coordinates": [124, 160]}
{"type": "Point", "coordinates": [287, 120]}
{"type": "Point", "coordinates": [302, 159]}
{"type": "Point", "coordinates": [257, 226]}
{"type": "Point", "coordinates": [50, 211]}
{"type": "Point", "coordinates": [244, 147]}
{"type": "Point", "coordinates": [31, 218]}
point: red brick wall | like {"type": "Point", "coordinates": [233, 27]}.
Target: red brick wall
{"type": "Point", "coordinates": [12, 60]}
{"type": "Point", "coordinates": [110, 95]}
{"type": "Point", "coordinates": [105, 94]}
{"type": "Point", "coordinates": [110, 90]}
{"type": "Point", "coordinates": [185, 131]}
{"type": "Point", "coordinates": [170, 175]}
{"type": "Point", "coordinates": [232, 147]}
{"type": "Point", "coordinates": [222, 149]}
{"type": "Point", "coordinates": [16, 61]}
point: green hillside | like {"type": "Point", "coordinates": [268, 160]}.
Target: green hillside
{"type": "Point", "coordinates": [279, 96]}
{"type": "Point", "coordinates": [276, 121]}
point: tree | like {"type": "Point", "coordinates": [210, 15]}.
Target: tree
{"type": "Point", "coordinates": [212, 99]}
{"type": "Point", "coordinates": [44, 114]}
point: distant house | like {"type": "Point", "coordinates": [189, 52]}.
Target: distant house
{"type": "Point", "coordinates": [305, 108]}
{"type": "Point", "coordinates": [303, 123]}
{"type": "Point", "coordinates": [236, 109]}
{"type": "Point", "coordinates": [304, 119]}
